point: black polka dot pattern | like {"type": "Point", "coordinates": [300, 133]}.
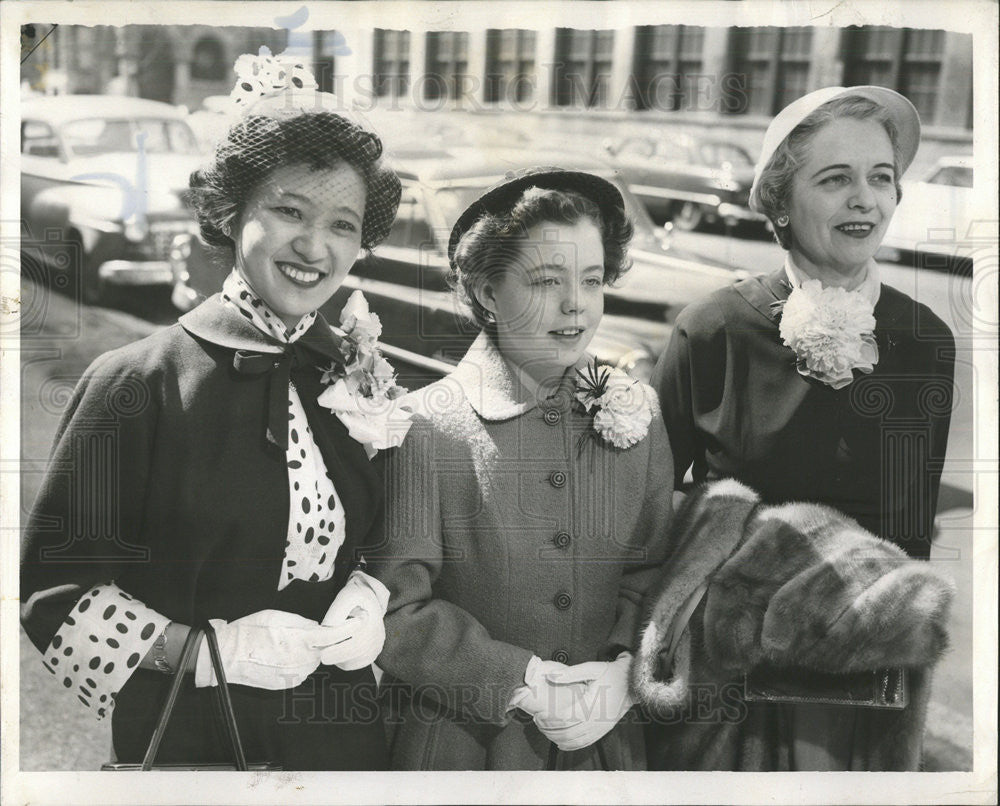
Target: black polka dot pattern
{"type": "Point", "coordinates": [238, 294]}
{"type": "Point", "coordinates": [316, 521]}
{"type": "Point", "coordinates": [105, 637]}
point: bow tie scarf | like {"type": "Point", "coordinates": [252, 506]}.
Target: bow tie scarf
{"type": "Point", "coordinates": [316, 523]}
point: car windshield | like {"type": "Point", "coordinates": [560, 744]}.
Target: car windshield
{"type": "Point", "coordinates": [957, 175]}
{"type": "Point", "coordinates": [453, 200]}
{"type": "Point", "coordinates": [89, 137]}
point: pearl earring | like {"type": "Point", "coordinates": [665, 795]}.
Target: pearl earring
{"type": "Point", "coordinates": [782, 221]}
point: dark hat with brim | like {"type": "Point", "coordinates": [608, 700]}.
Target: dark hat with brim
{"type": "Point", "coordinates": [504, 194]}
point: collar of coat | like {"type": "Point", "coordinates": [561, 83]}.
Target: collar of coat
{"type": "Point", "coordinates": [494, 391]}
{"type": "Point", "coordinates": [763, 291]}
{"type": "Point", "coordinates": [217, 322]}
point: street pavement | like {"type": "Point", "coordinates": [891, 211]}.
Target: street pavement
{"type": "Point", "coordinates": [57, 734]}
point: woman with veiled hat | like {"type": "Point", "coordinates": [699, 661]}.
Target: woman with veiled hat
{"type": "Point", "coordinates": [200, 475]}
{"type": "Point", "coordinates": [818, 382]}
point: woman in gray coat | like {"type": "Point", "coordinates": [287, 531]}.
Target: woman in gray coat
{"type": "Point", "coordinates": [527, 509]}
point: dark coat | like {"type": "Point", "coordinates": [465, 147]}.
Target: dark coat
{"type": "Point", "coordinates": [511, 532]}
{"type": "Point", "coordinates": [792, 586]}
{"type": "Point", "coordinates": [163, 481]}
{"type": "Point", "coordinates": [735, 406]}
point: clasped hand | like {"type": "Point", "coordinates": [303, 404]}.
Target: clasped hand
{"type": "Point", "coordinates": [575, 706]}
{"type": "Point", "coordinates": [273, 649]}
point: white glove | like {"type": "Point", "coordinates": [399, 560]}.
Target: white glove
{"type": "Point", "coordinates": [604, 702]}
{"type": "Point", "coordinates": [359, 609]}
{"type": "Point", "coordinates": [270, 649]}
{"type": "Point", "coordinates": [538, 697]}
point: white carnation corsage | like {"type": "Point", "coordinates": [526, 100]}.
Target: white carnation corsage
{"type": "Point", "coordinates": [618, 402]}
{"type": "Point", "coordinates": [363, 392]}
{"type": "Point", "coordinates": [832, 332]}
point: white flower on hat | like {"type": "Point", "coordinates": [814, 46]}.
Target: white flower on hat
{"type": "Point", "coordinates": [264, 75]}
{"type": "Point", "coordinates": [831, 331]}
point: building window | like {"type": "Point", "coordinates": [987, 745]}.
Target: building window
{"type": "Point", "coordinates": [447, 64]}
{"type": "Point", "coordinates": [668, 66]}
{"type": "Point", "coordinates": [392, 63]}
{"type": "Point", "coordinates": [904, 59]}
{"type": "Point", "coordinates": [583, 67]}
{"type": "Point", "coordinates": [327, 46]}
{"type": "Point", "coordinates": [208, 60]}
{"type": "Point", "coordinates": [772, 66]}
{"type": "Point", "coordinates": [510, 65]}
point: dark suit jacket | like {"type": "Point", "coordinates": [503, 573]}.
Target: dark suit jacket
{"type": "Point", "coordinates": [735, 405]}
{"type": "Point", "coordinates": [163, 481]}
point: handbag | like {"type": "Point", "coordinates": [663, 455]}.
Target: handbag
{"type": "Point", "coordinates": [880, 688]}
{"type": "Point", "coordinates": [225, 707]}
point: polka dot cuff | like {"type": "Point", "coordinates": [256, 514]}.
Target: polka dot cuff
{"type": "Point", "coordinates": [100, 644]}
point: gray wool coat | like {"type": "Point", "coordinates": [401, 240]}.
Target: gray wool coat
{"type": "Point", "coordinates": [512, 530]}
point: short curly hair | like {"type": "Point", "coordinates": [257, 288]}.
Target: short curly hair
{"type": "Point", "coordinates": [496, 240]}
{"type": "Point", "coordinates": [258, 144]}
{"type": "Point", "coordinates": [773, 189]}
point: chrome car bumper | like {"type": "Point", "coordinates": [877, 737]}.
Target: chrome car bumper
{"type": "Point", "coordinates": [135, 272]}
{"type": "Point", "coordinates": [734, 211]}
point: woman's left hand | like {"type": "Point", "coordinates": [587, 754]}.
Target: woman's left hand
{"type": "Point", "coordinates": [360, 606]}
{"type": "Point", "coordinates": [604, 702]}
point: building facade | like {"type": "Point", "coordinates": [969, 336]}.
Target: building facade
{"type": "Point", "coordinates": [564, 81]}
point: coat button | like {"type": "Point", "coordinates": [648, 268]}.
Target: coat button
{"type": "Point", "coordinates": [557, 478]}
{"type": "Point", "coordinates": [560, 656]}
{"type": "Point", "coordinates": [563, 600]}
{"type": "Point", "coordinates": [563, 539]}
{"type": "Point", "coordinates": [552, 416]}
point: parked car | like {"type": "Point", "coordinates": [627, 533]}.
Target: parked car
{"type": "Point", "coordinates": [211, 121]}
{"type": "Point", "coordinates": [933, 221]}
{"type": "Point", "coordinates": [691, 181]}
{"type": "Point", "coordinates": [406, 282]}
{"type": "Point", "coordinates": [105, 176]}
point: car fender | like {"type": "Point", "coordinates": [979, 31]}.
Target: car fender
{"type": "Point", "coordinates": [73, 207]}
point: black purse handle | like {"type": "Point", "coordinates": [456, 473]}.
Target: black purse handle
{"type": "Point", "coordinates": [189, 651]}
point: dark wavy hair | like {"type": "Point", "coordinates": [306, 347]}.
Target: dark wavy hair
{"type": "Point", "coordinates": [258, 144]}
{"type": "Point", "coordinates": [497, 240]}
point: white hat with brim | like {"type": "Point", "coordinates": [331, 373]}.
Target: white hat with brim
{"type": "Point", "coordinates": [902, 112]}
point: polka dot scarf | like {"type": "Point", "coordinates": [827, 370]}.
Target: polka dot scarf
{"type": "Point", "coordinates": [316, 525]}
{"type": "Point", "coordinates": [238, 294]}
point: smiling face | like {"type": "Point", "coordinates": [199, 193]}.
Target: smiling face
{"type": "Point", "coordinates": [299, 235]}
{"type": "Point", "coordinates": [842, 200]}
{"type": "Point", "coordinates": [548, 302]}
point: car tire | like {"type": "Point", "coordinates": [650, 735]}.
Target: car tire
{"type": "Point", "coordinates": [688, 216]}
{"type": "Point", "coordinates": [92, 288]}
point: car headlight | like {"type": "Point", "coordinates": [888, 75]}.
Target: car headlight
{"type": "Point", "coordinates": [136, 230]}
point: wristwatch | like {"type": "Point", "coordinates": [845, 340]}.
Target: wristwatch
{"type": "Point", "coordinates": [160, 654]}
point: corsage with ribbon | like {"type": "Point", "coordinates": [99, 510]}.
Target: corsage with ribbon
{"type": "Point", "coordinates": [363, 391]}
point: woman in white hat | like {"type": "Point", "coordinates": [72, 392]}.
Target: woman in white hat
{"type": "Point", "coordinates": [817, 382]}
